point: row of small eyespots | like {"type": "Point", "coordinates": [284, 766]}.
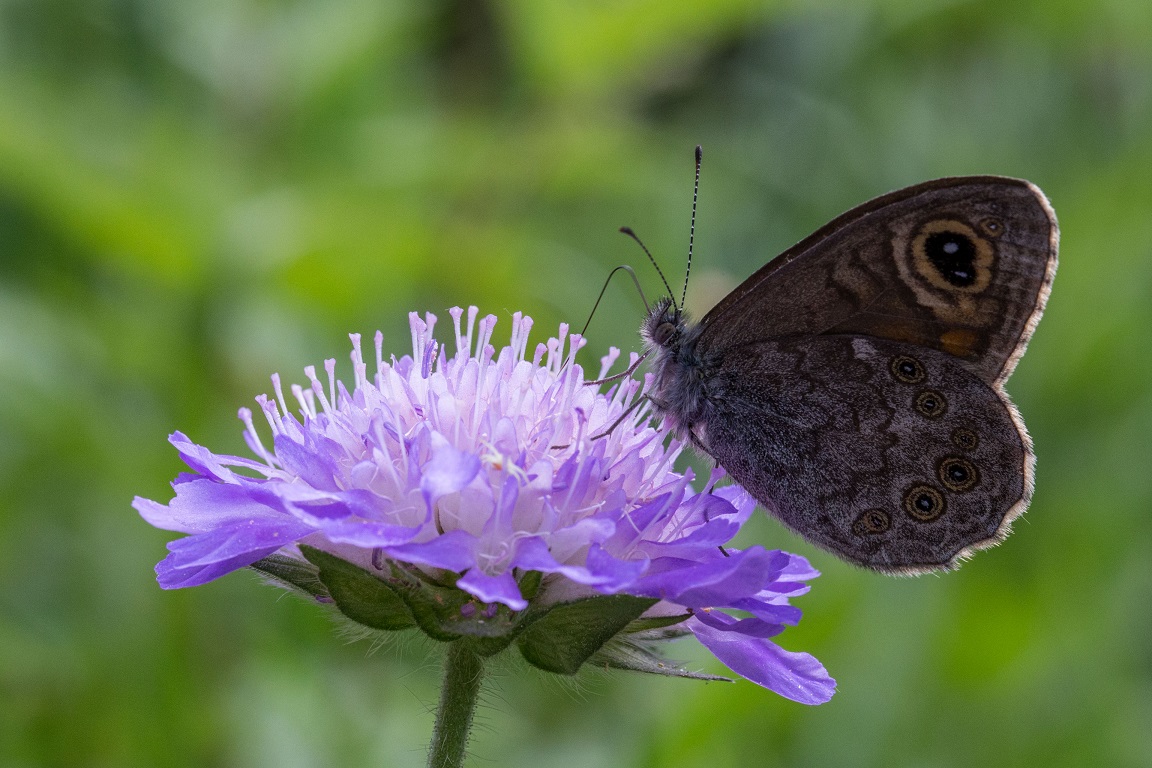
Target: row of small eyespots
{"type": "Point", "coordinates": [924, 502]}
{"type": "Point", "coordinates": [928, 402]}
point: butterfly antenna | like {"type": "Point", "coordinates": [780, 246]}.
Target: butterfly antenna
{"type": "Point", "coordinates": [692, 225]}
{"type": "Point", "coordinates": [632, 274]}
{"type": "Point", "coordinates": [628, 231]}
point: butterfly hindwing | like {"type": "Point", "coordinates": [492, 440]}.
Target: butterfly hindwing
{"type": "Point", "coordinates": [891, 456]}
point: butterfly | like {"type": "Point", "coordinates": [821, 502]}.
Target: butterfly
{"type": "Point", "coordinates": [854, 385]}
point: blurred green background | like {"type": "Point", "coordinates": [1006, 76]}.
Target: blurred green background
{"type": "Point", "coordinates": [195, 195]}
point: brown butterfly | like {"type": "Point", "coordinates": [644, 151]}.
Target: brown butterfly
{"type": "Point", "coordinates": [855, 384]}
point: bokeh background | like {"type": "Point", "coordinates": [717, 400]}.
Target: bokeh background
{"type": "Point", "coordinates": [195, 195]}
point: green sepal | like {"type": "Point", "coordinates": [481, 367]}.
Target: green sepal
{"type": "Point", "coordinates": [290, 573]}
{"type": "Point", "coordinates": [624, 653]}
{"type": "Point", "coordinates": [440, 612]}
{"type": "Point", "coordinates": [656, 622]}
{"type": "Point", "coordinates": [403, 598]}
{"type": "Point", "coordinates": [358, 594]}
{"type": "Point", "coordinates": [569, 634]}
{"type": "Point", "coordinates": [530, 584]}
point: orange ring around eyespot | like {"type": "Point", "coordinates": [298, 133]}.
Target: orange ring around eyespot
{"type": "Point", "coordinates": [918, 493]}
{"type": "Point", "coordinates": [982, 261]}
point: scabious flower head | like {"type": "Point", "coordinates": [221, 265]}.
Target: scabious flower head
{"type": "Point", "coordinates": [493, 495]}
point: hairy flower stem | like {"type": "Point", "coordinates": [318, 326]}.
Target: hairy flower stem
{"type": "Point", "coordinates": [463, 672]}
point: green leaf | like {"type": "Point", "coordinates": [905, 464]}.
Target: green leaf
{"type": "Point", "coordinates": [358, 594]}
{"type": "Point", "coordinates": [569, 634]}
{"type": "Point", "coordinates": [292, 574]}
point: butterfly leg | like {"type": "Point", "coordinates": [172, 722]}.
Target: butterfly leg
{"type": "Point", "coordinates": [635, 404]}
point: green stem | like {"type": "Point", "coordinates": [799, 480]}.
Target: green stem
{"type": "Point", "coordinates": [463, 671]}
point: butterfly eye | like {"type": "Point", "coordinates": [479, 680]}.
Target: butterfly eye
{"type": "Point", "coordinates": [965, 438]}
{"type": "Point", "coordinates": [907, 369]}
{"type": "Point", "coordinates": [871, 521]}
{"type": "Point", "coordinates": [957, 474]}
{"type": "Point", "coordinates": [931, 403]}
{"type": "Point", "coordinates": [924, 503]}
{"type": "Point", "coordinates": [664, 333]}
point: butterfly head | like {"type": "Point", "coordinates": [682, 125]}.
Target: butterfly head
{"type": "Point", "coordinates": [664, 325]}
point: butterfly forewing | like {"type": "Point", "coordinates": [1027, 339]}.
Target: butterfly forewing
{"type": "Point", "coordinates": [960, 265]}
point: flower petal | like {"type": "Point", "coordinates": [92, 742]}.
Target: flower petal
{"type": "Point", "coordinates": [715, 582]}
{"type": "Point", "coordinates": [203, 505]}
{"type": "Point", "coordinates": [367, 535]}
{"type": "Point", "coordinates": [453, 551]}
{"type": "Point", "coordinates": [448, 471]}
{"type": "Point", "coordinates": [199, 559]}
{"type": "Point", "coordinates": [313, 462]}
{"type": "Point", "coordinates": [501, 588]}
{"type": "Point", "coordinates": [210, 464]}
{"type": "Point", "coordinates": [796, 676]}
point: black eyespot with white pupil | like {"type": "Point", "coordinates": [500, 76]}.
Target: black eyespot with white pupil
{"type": "Point", "coordinates": [953, 255]}
{"type": "Point", "coordinates": [931, 404]}
{"type": "Point", "coordinates": [965, 438]}
{"type": "Point", "coordinates": [957, 474]}
{"type": "Point", "coordinates": [871, 521]}
{"type": "Point", "coordinates": [907, 369]}
{"type": "Point", "coordinates": [923, 503]}
{"type": "Point", "coordinates": [992, 226]}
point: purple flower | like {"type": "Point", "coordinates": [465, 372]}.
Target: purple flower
{"type": "Point", "coordinates": [502, 475]}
